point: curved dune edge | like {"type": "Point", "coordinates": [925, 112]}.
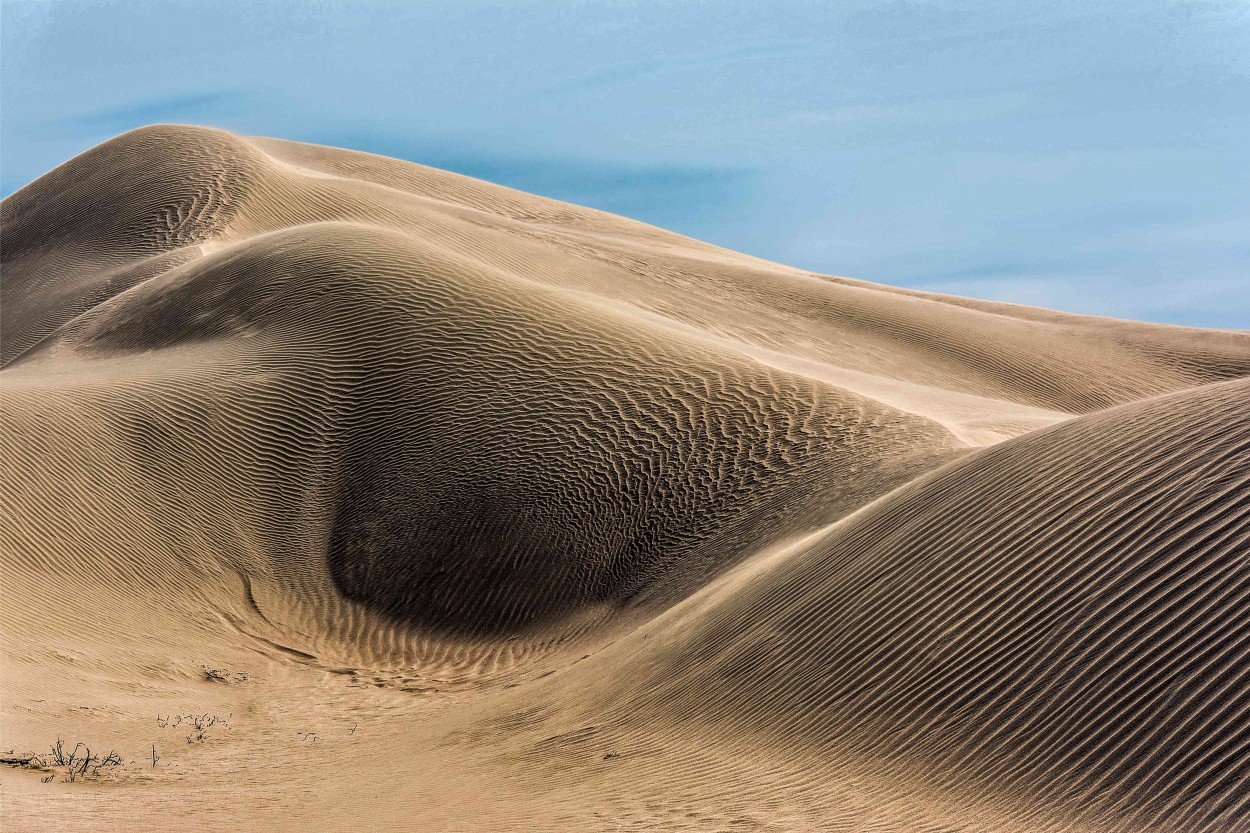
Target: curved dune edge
{"type": "Point", "coordinates": [1059, 620]}
{"type": "Point", "coordinates": [525, 516]}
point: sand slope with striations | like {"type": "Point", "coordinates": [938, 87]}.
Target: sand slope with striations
{"type": "Point", "coordinates": [467, 509]}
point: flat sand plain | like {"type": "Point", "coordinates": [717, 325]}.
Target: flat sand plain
{"type": "Point", "coordinates": [343, 493]}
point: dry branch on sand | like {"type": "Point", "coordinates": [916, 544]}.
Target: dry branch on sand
{"type": "Point", "coordinates": [79, 762]}
{"type": "Point", "coordinates": [199, 724]}
{"type": "Point", "coordinates": [222, 675]}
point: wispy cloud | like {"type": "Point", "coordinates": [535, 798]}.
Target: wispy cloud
{"type": "Point", "coordinates": [672, 194]}
{"type": "Point", "coordinates": [1198, 300]}
{"type": "Point", "coordinates": [198, 107]}
{"type": "Point", "coordinates": [628, 72]}
{"type": "Point", "coordinates": [927, 111]}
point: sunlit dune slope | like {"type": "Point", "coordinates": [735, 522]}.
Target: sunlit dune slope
{"type": "Point", "coordinates": [622, 524]}
{"type": "Point", "coordinates": [456, 447]}
{"type": "Point", "coordinates": [156, 197]}
{"type": "Point", "coordinates": [1057, 622]}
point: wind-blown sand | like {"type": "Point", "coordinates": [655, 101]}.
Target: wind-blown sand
{"type": "Point", "coordinates": [466, 509]}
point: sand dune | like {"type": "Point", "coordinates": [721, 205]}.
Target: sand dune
{"type": "Point", "coordinates": [1059, 619]}
{"type": "Point", "coordinates": [469, 509]}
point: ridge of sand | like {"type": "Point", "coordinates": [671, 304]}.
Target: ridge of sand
{"type": "Point", "coordinates": [1059, 619]}
{"type": "Point", "coordinates": [535, 518]}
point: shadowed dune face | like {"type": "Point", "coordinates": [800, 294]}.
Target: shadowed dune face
{"type": "Point", "coordinates": [497, 455]}
{"type": "Point", "coordinates": [399, 437]}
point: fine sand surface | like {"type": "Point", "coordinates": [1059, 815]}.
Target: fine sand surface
{"type": "Point", "coordinates": [342, 493]}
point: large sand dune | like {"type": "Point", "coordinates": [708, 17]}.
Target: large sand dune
{"type": "Point", "coordinates": [472, 510]}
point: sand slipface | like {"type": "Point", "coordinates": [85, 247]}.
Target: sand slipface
{"type": "Point", "coordinates": [338, 488]}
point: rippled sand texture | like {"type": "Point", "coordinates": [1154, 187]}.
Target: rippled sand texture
{"type": "Point", "coordinates": [471, 510]}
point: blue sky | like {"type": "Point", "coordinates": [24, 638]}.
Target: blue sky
{"type": "Point", "coordinates": [1088, 156]}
